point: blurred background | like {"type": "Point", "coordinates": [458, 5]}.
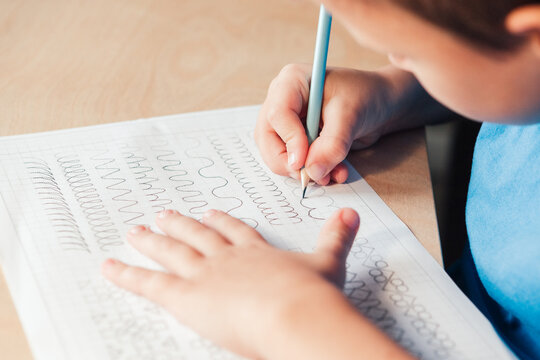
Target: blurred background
{"type": "Point", "coordinates": [450, 148]}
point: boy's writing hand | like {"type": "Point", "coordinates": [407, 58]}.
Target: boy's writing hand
{"type": "Point", "coordinates": [226, 282]}
{"type": "Point", "coordinates": [355, 107]}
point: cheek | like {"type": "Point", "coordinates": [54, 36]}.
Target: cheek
{"type": "Point", "coordinates": [467, 94]}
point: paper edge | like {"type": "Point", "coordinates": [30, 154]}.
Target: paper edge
{"type": "Point", "coordinates": [11, 252]}
{"type": "Point", "coordinates": [26, 295]}
{"type": "Point", "coordinates": [181, 116]}
{"type": "Point", "coordinates": [440, 279]}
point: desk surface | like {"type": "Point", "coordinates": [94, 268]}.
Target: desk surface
{"type": "Point", "coordinates": [74, 63]}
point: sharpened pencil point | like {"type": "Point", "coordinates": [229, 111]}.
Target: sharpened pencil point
{"type": "Point", "coordinates": [305, 181]}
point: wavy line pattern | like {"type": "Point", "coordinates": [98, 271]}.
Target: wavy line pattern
{"type": "Point", "coordinates": [55, 205]}
{"type": "Point", "coordinates": [384, 279]}
{"type": "Point", "coordinates": [90, 201]}
{"type": "Point", "coordinates": [255, 181]}
{"type": "Point", "coordinates": [204, 173]}
{"type": "Point", "coordinates": [317, 203]}
{"type": "Point", "coordinates": [130, 327]}
{"type": "Point", "coordinates": [180, 178]}
{"type": "Point", "coordinates": [111, 174]}
{"type": "Point", "coordinates": [144, 174]}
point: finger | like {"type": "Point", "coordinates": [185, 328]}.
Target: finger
{"type": "Point", "coordinates": [324, 181]}
{"type": "Point", "coordinates": [325, 154]}
{"type": "Point", "coordinates": [281, 138]}
{"type": "Point", "coordinates": [271, 148]}
{"type": "Point", "coordinates": [333, 143]}
{"type": "Point", "coordinates": [156, 286]}
{"type": "Point", "coordinates": [338, 233]}
{"type": "Point", "coordinates": [339, 174]}
{"type": "Point", "coordinates": [235, 230]}
{"type": "Point", "coordinates": [287, 125]}
{"type": "Point", "coordinates": [190, 231]}
{"type": "Point", "coordinates": [173, 255]}
{"type": "Point", "coordinates": [280, 133]}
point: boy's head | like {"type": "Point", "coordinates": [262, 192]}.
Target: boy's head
{"type": "Point", "coordinates": [480, 58]}
{"type": "Point", "coordinates": [480, 22]}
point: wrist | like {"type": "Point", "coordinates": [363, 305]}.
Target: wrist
{"type": "Point", "coordinates": [320, 323]}
{"type": "Point", "coordinates": [306, 320]}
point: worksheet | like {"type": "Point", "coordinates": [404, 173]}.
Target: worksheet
{"type": "Point", "coordinates": [68, 198]}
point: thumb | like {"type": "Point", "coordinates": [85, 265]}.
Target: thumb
{"type": "Point", "coordinates": [333, 143]}
{"type": "Point", "coordinates": [337, 234]}
{"type": "Point", "coordinates": [324, 155]}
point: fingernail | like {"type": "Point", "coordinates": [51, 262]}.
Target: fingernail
{"type": "Point", "coordinates": [137, 229]}
{"type": "Point", "coordinates": [292, 159]}
{"type": "Point", "coordinates": [316, 172]}
{"type": "Point", "coordinates": [109, 263]}
{"type": "Point", "coordinates": [165, 213]}
{"type": "Point", "coordinates": [295, 175]}
{"type": "Point", "coordinates": [209, 213]}
{"type": "Point", "coordinates": [107, 268]}
{"type": "Point", "coordinates": [350, 218]}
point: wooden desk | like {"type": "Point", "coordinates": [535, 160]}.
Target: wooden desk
{"type": "Point", "coordinates": [74, 63]}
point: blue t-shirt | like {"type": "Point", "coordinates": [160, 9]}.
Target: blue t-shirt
{"type": "Point", "coordinates": [503, 223]}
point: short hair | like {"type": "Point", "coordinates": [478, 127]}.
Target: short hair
{"type": "Point", "coordinates": [480, 22]}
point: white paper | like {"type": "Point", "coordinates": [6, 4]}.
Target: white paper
{"type": "Point", "coordinates": [70, 196]}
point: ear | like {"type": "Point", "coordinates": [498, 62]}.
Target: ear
{"type": "Point", "coordinates": [525, 21]}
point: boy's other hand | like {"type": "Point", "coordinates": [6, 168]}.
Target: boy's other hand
{"type": "Point", "coordinates": [355, 107]}
{"type": "Point", "coordinates": [226, 282]}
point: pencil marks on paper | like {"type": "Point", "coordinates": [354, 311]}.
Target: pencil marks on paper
{"type": "Point", "coordinates": [146, 178]}
{"type": "Point", "coordinates": [79, 192]}
{"type": "Point", "coordinates": [254, 180]}
{"type": "Point", "coordinates": [90, 201]}
{"type": "Point", "coordinates": [380, 287]}
{"type": "Point", "coordinates": [189, 170]}
{"type": "Point", "coordinates": [55, 205]}
{"type": "Point", "coordinates": [130, 328]}
{"type": "Point", "coordinates": [115, 182]}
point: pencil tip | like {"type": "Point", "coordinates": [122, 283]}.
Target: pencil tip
{"type": "Point", "coordinates": [304, 192]}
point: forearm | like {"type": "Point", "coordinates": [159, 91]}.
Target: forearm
{"type": "Point", "coordinates": [326, 326]}
{"type": "Point", "coordinates": [412, 105]}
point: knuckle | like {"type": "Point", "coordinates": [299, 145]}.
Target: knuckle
{"type": "Point", "coordinates": [146, 237]}
{"type": "Point", "coordinates": [276, 166]}
{"type": "Point", "coordinates": [289, 137]}
{"type": "Point", "coordinates": [337, 245]}
{"type": "Point", "coordinates": [273, 85]}
{"type": "Point", "coordinates": [291, 69]}
{"type": "Point", "coordinates": [127, 277]}
{"type": "Point", "coordinates": [156, 282]}
{"type": "Point", "coordinates": [192, 258]}
{"type": "Point", "coordinates": [198, 232]}
{"type": "Point", "coordinates": [248, 234]}
{"type": "Point", "coordinates": [163, 245]}
{"type": "Point", "coordinates": [273, 113]}
{"type": "Point", "coordinates": [284, 126]}
{"type": "Point", "coordinates": [337, 148]}
{"type": "Point", "coordinates": [289, 74]}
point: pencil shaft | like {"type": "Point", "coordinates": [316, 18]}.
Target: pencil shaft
{"type": "Point", "coordinates": [318, 75]}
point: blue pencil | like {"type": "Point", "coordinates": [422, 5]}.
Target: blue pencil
{"type": "Point", "coordinates": [317, 84]}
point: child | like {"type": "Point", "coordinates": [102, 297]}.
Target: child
{"type": "Point", "coordinates": [480, 58]}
